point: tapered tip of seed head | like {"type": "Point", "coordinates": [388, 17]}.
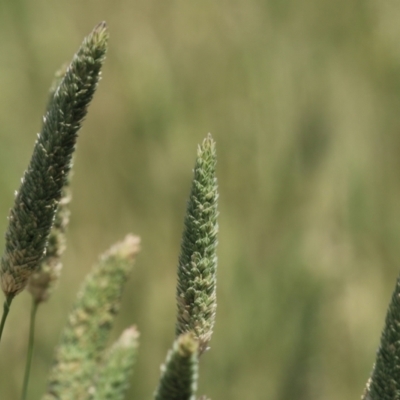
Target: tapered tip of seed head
{"type": "Point", "coordinates": [101, 25]}
{"type": "Point", "coordinates": [100, 28]}
{"type": "Point", "coordinates": [99, 35]}
{"type": "Point", "coordinates": [127, 248]}
{"type": "Point", "coordinates": [209, 140]}
{"type": "Point", "coordinates": [129, 337]}
{"type": "Point", "coordinates": [187, 345]}
{"type": "Point", "coordinates": [208, 145]}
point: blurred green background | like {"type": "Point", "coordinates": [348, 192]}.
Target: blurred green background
{"type": "Point", "coordinates": [303, 100]}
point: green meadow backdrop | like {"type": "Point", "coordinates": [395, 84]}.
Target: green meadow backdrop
{"type": "Point", "coordinates": [303, 100]}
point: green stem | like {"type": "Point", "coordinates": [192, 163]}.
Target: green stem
{"type": "Point", "coordinates": [6, 309]}
{"type": "Point", "coordinates": [30, 349]}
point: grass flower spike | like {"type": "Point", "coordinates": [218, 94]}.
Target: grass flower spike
{"type": "Point", "coordinates": [384, 383]}
{"type": "Point", "coordinates": [84, 367]}
{"type": "Point", "coordinates": [114, 376]}
{"type": "Point", "coordinates": [179, 373]}
{"type": "Point", "coordinates": [32, 216]}
{"type": "Point", "coordinates": [196, 289]}
{"type": "Point", "coordinates": [85, 336]}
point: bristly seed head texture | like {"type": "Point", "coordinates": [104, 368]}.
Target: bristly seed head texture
{"type": "Point", "coordinates": [179, 374]}
{"type": "Point", "coordinates": [115, 372]}
{"type": "Point", "coordinates": [196, 289]}
{"type": "Point", "coordinates": [32, 215]}
{"type": "Point", "coordinates": [84, 338]}
{"type": "Point", "coordinates": [45, 277]}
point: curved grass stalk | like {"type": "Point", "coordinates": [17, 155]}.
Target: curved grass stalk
{"type": "Point", "coordinates": [31, 342]}
{"type": "Point", "coordinates": [6, 309]}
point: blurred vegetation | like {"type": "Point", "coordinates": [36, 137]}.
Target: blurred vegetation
{"type": "Point", "coordinates": [303, 101]}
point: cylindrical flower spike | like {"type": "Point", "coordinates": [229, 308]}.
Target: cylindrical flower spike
{"type": "Point", "coordinates": [45, 277]}
{"type": "Point", "coordinates": [196, 289]}
{"type": "Point", "coordinates": [179, 374]}
{"type": "Point", "coordinates": [384, 383]}
{"type": "Point", "coordinates": [85, 336]}
{"type": "Point", "coordinates": [113, 379]}
{"type": "Point", "coordinates": [31, 218]}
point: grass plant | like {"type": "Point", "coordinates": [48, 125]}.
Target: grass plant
{"type": "Point", "coordinates": [84, 366]}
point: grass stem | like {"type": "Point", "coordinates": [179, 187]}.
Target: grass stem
{"type": "Point", "coordinates": [30, 349]}
{"type": "Point", "coordinates": [6, 309]}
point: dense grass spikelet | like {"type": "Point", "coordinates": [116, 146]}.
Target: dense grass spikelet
{"type": "Point", "coordinates": [32, 215]}
{"type": "Point", "coordinates": [180, 372]}
{"type": "Point", "coordinates": [196, 288]}
{"type": "Point", "coordinates": [384, 383]}
{"type": "Point", "coordinates": [113, 378]}
{"type": "Point", "coordinates": [83, 341]}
